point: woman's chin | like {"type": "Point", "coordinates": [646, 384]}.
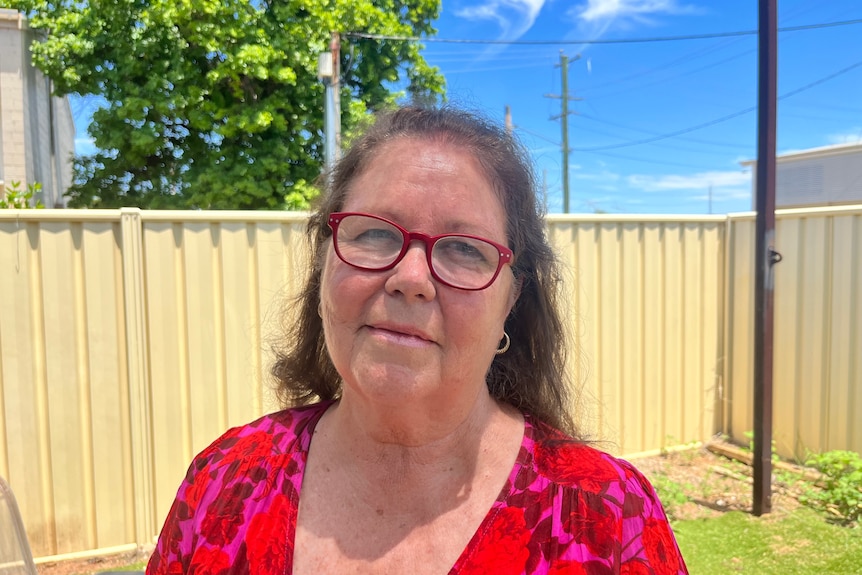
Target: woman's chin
{"type": "Point", "coordinates": [390, 383]}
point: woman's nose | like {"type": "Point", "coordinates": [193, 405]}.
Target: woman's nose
{"type": "Point", "coordinates": [412, 276]}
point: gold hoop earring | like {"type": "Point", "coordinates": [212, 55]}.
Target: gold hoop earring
{"type": "Point", "coordinates": [505, 347]}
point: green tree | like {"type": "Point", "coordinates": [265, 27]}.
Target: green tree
{"type": "Point", "coordinates": [216, 104]}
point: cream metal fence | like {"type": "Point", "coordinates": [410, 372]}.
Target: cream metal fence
{"type": "Point", "coordinates": [817, 372]}
{"type": "Point", "coordinates": [645, 295]}
{"type": "Point", "coordinates": [129, 340]}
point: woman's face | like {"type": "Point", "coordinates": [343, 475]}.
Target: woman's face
{"type": "Point", "coordinates": [399, 335]}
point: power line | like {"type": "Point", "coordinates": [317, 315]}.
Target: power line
{"type": "Point", "coordinates": [689, 55]}
{"type": "Point", "coordinates": [472, 70]}
{"type": "Point", "coordinates": [666, 78]}
{"type": "Point", "coordinates": [733, 146]}
{"type": "Point", "coordinates": [717, 120]}
{"type": "Point", "coordinates": [366, 36]}
{"type": "Point", "coordinates": [682, 145]}
{"type": "Point", "coordinates": [655, 162]}
{"type": "Point", "coordinates": [536, 134]}
{"type": "Point", "coordinates": [620, 156]}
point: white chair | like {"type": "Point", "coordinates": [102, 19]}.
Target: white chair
{"type": "Point", "coordinates": [15, 555]}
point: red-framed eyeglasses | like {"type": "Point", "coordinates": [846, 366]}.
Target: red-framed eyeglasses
{"type": "Point", "coordinates": [373, 243]}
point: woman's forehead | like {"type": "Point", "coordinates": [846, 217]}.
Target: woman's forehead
{"type": "Point", "coordinates": [385, 163]}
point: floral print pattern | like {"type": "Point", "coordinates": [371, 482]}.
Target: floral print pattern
{"type": "Point", "coordinates": [566, 509]}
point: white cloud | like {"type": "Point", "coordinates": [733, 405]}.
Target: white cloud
{"type": "Point", "coordinates": [725, 185]}
{"type": "Point", "coordinates": [594, 18]}
{"type": "Point", "coordinates": [854, 136]}
{"type": "Point", "coordinates": [638, 10]}
{"type": "Point", "coordinates": [514, 17]}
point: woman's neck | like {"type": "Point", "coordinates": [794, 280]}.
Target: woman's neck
{"type": "Point", "coordinates": [372, 504]}
{"type": "Point", "coordinates": [412, 451]}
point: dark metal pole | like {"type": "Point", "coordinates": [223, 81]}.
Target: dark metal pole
{"type": "Point", "coordinates": [766, 255]}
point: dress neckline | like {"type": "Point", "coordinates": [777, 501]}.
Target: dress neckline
{"type": "Point", "coordinates": [522, 460]}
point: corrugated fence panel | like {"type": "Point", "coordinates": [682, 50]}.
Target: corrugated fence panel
{"type": "Point", "coordinates": [213, 290]}
{"type": "Point", "coordinates": [64, 389]}
{"type": "Point", "coordinates": [740, 325]}
{"type": "Point", "coordinates": [845, 383]}
{"type": "Point", "coordinates": [129, 340]}
{"type": "Point", "coordinates": [817, 376]}
{"type": "Point", "coordinates": [212, 281]}
{"type": "Point", "coordinates": [647, 300]}
{"type": "Point", "coordinates": [105, 344]}
{"type": "Point", "coordinates": [26, 461]}
{"type": "Point", "coordinates": [653, 300]}
{"type": "Point", "coordinates": [855, 342]}
{"type": "Point", "coordinates": [168, 355]}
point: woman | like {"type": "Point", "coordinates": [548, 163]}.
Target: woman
{"type": "Point", "coordinates": [435, 435]}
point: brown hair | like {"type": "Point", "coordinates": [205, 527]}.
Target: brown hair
{"type": "Point", "coordinates": [530, 375]}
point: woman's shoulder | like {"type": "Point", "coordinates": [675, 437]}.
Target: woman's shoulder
{"type": "Point", "coordinates": [595, 508]}
{"type": "Point", "coordinates": [272, 435]}
{"type": "Point", "coordinates": [569, 462]}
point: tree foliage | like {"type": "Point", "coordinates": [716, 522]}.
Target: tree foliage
{"type": "Point", "coordinates": [14, 198]}
{"type": "Point", "coordinates": [216, 104]}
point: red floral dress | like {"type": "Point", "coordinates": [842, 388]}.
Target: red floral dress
{"type": "Point", "coordinates": [565, 509]}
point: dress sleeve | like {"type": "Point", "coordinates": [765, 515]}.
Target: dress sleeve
{"type": "Point", "coordinates": [648, 543]}
{"type": "Point", "coordinates": [177, 540]}
{"type": "Point", "coordinates": [233, 510]}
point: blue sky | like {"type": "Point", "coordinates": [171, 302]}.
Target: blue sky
{"type": "Point", "coordinates": [630, 92]}
{"type": "Point", "coordinates": [636, 91]}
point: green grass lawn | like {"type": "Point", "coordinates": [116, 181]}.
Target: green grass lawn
{"type": "Point", "coordinates": [801, 542]}
{"type": "Point", "coordinates": [140, 566]}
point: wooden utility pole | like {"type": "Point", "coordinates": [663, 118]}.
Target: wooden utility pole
{"type": "Point", "coordinates": [765, 256]}
{"type": "Point", "coordinates": [564, 116]}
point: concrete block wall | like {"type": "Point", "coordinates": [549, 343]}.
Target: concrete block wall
{"type": "Point", "coordinates": [37, 133]}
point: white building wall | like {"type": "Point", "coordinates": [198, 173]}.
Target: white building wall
{"type": "Point", "coordinates": [37, 133]}
{"type": "Point", "coordinates": [826, 176]}
{"type": "Point", "coordinates": [64, 143]}
{"type": "Point", "coordinates": [13, 165]}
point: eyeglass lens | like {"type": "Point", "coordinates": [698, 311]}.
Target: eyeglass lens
{"type": "Point", "coordinates": [375, 244]}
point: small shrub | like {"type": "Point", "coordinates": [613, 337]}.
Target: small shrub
{"type": "Point", "coordinates": [670, 493]}
{"type": "Point", "coordinates": [17, 199]}
{"type": "Point", "coordinates": [841, 496]}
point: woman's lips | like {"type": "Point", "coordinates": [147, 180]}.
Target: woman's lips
{"type": "Point", "coordinates": [401, 335]}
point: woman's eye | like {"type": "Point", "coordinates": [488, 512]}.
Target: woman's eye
{"type": "Point", "coordinates": [378, 236]}
{"type": "Point", "coordinates": [464, 251]}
